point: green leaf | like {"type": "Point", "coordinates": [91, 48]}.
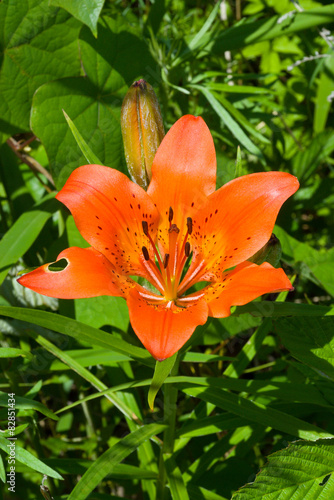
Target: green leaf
{"type": "Point", "coordinates": [87, 11]}
{"type": "Point", "coordinates": [325, 87]}
{"type": "Point", "coordinates": [161, 372]}
{"type": "Point", "coordinates": [198, 493]}
{"type": "Point", "coordinates": [87, 375]}
{"type": "Point", "coordinates": [244, 34]}
{"type": "Point", "coordinates": [90, 357]}
{"type": "Point", "coordinates": [321, 264]}
{"type": "Point", "coordinates": [40, 44]}
{"type": "Point", "coordinates": [230, 123]}
{"type": "Point", "coordinates": [258, 413]}
{"type": "Point", "coordinates": [302, 470]}
{"type": "Point", "coordinates": [317, 347]}
{"type": "Point", "coordinates": [238, 163]}
{"type": "Point", "coordinates": [11, 352]}
{"type": "Point", "coordinates": [107, 461]}
{"type": "Point", "coordinates": [77, 330]}
{"type": "Point", "coordinates": [111, 63]}
{"type": "Point", "coordinates": [305, 162]}
{"type": "Point", "coordinates": [175, 480]}
{"type": "Point", "coordinates": [19, 238]}
{"type": "Point", "coordinates": [2, 471]}
{"type": "Point", "coordinates": [22, 455]}
{"type": "Point", "coordinates": [266, 308]}
{"type": "Point", "coordinates": [85, 149]}
{"type": "Point", "coordinates": [27, 404]}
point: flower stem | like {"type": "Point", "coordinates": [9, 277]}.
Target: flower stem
{"type": "Point", "coordinates": [170, 398]}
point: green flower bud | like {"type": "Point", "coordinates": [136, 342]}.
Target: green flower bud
{"type": "Point", "coordinates": [142, 130]}
{"type": "Point", "coordinates": [271, 252]}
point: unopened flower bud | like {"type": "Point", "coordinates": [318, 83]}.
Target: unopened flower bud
{"type": "Point", "coordinates": [271, 252]}
{"type": "Point", "coordinates": [142, 130]}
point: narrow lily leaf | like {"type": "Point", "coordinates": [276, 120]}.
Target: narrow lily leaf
{"type": "Point", "coordinates": [79, 466]}
{"type": "Point", "coordinates": [258, 413]}
{"type": "Point", "coordinates": [78, 331]}
{"type": "Point", "coordinates": [302, 470]}
{"type": "Point", "coordinates": [19, 238]}
{"type": "Point", "coordinates": [87, 375]}
{"type": "Point", "coordinates": [238, 163]}
{"type": "Point", "coordinates": [12, 352]}
{"type": "Point", "coordinates": [27, 404]}
{"type": "Point", "coordinates": [22, 455]}
{"type": "Point", "coordinates": [85, 149]}
{"type": "Point", "coordinates": [200, 38]}
{"type": "Point", "coordinates": [244, 34]}
{"type": "Point", "coordinates": [198, 493]}
{"type": "Point", "coordinates": [249, 350]}
{"type": "Point", "coordinates": [316, 349]}
{"type": "Point", "coordinates": [230, 123]}
{"type": "Point", "coordinates": [177, 487]}
{"type": "Point", "coordinates": [2, 471]}
{"type": "Point", "coordinates": [266, 308]}
{"type": "Point", "coordinates": [161, 372]}
{"type": "Point", "coordinates": [107, 461]}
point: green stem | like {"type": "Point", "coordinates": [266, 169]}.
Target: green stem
{"type": "Point", "coordinates": [170, 398]}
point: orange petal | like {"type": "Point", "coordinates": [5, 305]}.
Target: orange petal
{"type": "Point", "coordinates": [244, 284]}
{"type": "Point", "coordinates": [88, 274]}
{"type": "Point", "coordinates": [164, 331]}
{"type": "Point", "coordinates": [183, 171]}
{"type": "Point", "coordinates": [108, 210]}
{"type": "Point", "coordinates": [237, 221]}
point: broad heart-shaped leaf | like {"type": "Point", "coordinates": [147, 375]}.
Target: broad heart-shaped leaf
{"type": "Point", "coordinates": [39, 43]}
{"type": "Point", "coordinates": [111, 63]}
{"type": "Point", "coordinates": [87, 11]}
{"type": "Point", "coordinates": [311, 341]}
{"type": "Point", "coordinates": [107, 461]}
{"type": "Point", "coordinates": [302, 470]}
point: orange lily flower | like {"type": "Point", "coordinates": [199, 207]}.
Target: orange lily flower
{"type": "Point", "coordinates": [155, 234]}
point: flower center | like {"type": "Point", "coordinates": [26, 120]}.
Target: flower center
{"type": "Point", "coordinates": [165, 268]}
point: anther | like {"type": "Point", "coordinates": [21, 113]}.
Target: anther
{"type": "Point", "coordinates": [145, 227]}
{"type": "Point", "coordinates": [189, 225]}
{"type": "Point", "coordinates": [171, 214]}
{"type": "Point", "coordinates": [145, 253]}
{"type": "Point", "coordinates": [187, 249]}
{"type": "Point", "coordinates": [166, 259]}
{"type": "Point", "coordinates": [173, 229]}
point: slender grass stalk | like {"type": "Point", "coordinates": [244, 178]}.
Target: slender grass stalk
{"type": "Point", "coordinates": [170, 398]}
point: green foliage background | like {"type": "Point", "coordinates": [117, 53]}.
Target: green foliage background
{"type": "Point", "coordinates": [261, 74]}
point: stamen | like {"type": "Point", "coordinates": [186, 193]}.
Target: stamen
{"type": "Point", "coordinates": [171, 214]}
{"type": "Point", "coordinates": [187, 249]}
{"type": "Point", "coordinates": [145, 253]}
{"type": "Point", "coordinates": [145, 227]}
{"type": "Point", "coordinates": [166, 259]}
{"type": "Point", "coordinates": [189, 225]}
